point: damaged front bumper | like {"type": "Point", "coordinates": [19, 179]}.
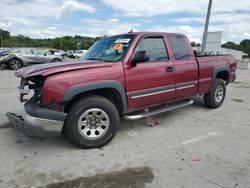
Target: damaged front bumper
{"type": "Point", "coordinates": [36, 121]}
{"type": "Point", "coordinates": [27, 129]}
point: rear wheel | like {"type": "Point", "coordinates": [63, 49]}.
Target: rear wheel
{"type": "Point", "coordinates": [92, 122]}
{"type": "Point", "coordinates": [56, 60]}
{"type": "Point", "coordinates": [216, 96]}
{"type": "Point", "coordinates": [15, 64]}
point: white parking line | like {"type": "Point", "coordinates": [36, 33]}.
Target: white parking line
{"type": "Point", "coordinates": [161, 149]}
{"type": "Point", "coordinates": [202, 137]}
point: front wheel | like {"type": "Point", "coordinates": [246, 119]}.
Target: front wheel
{"type": "Point", "coordinates": [15, 64]}
{"type": "Point", "coordinates": [216, 96]}
{"type": "Point", "coordinates": [92, 122]}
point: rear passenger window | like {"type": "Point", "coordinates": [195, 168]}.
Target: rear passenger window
{"type": "Point", "coordinates": [154, 47]}
{"type": "Point", "coordinates": [179, 47]}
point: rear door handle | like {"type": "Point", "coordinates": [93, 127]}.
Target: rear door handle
{"type": "Point", "coordinates": [169, 69]}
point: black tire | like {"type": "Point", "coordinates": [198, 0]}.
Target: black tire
{"type": "Point", "coordinates": [217, 94]}
{"type": "Point", "coordinates": [15, 64]}
{"type": "Point", "coordinates": [77, 113]}
{"type": "Point", "coordinates": [56, 60]}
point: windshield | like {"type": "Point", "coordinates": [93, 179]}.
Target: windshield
{"type": "Point", "coordinates": [109, 49]}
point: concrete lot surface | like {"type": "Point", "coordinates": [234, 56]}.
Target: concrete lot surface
{"type": "Point", "coordinates": [192, 147]}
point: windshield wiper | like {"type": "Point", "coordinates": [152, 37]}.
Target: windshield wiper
{"type": "Point", "coordinates": [100, 59]}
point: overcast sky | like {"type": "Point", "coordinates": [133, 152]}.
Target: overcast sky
{"type": "Point", "coordinates": [52, 18]}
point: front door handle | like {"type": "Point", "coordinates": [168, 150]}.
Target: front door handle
{"type": "Point", "coordinates": [169, 69]}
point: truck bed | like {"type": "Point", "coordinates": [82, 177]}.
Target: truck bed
{"type": "Point", "coordinates": [208, 66]}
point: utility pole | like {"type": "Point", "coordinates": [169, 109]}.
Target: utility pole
{"type": "Point", "coordinates": [1, 40]}
{"type": "Point", "coordinates": [204, 39]}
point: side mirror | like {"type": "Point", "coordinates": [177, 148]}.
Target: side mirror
{"type": "Point", "coordinates": [140, 56]}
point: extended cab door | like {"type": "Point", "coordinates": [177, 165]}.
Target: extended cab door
{"type": "Point", "coordinates": [185, 65]}
{"type": "Point", "coordinates": [151, 82]}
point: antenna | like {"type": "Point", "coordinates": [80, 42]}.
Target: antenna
{"type": "Point", "coordinates": [131, 31]}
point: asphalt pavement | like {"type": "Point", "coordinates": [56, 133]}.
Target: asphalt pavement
{"type": "Point", "coordinates": [192, 147]}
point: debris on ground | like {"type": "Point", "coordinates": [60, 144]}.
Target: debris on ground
{"type": "Point", "coordinates": [196, 159]}
{"type": "Point", "coordinates": [151, 120]}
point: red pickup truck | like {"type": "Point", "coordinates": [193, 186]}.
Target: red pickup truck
{"type": "Point", "coordinates": [120, 76]}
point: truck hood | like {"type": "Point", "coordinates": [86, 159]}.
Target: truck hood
{"type": "Point", "coordinates": [54, 68]}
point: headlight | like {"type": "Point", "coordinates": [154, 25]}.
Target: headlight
{"type": "Point", "coordinates": [28, 84]}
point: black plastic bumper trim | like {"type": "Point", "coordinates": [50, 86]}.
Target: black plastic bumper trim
{"type": "Point", "coordinates": [33, 109]}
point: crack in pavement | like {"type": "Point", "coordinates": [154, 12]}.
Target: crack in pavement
{"type": "Point", "coordinates": [202, 177]}
{"type": "Point", "coordinates": [195, 173]}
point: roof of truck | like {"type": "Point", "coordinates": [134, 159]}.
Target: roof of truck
{"type": "Point", "coordinates": [154, 32]}
{"type": "Point", "coordinates": [146, 32]}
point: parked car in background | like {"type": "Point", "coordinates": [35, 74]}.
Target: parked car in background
{"type": "Point", "coordinates": [17, 58]}
{"type": "Point", "coordinates": [56, 52]}
{"type": "Point", "coordinates": [70, 53]}
{"type": "Point", "coordinates": [79, 53]}
{"type": "Point", "coordinates": [75, 54]}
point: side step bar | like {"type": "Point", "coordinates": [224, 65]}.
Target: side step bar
{"type": "Point", "coordinates": [166, 108]}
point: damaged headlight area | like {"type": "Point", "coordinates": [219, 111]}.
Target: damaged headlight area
{"type": "Point", "coordinates": [31, 85]}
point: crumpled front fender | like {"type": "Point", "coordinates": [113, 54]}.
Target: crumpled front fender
{"type": "Point", "coordinates": [6, 58]}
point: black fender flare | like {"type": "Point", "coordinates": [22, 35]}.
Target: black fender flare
{"type": "Point", "coordinates": [215, 72]}
{"type": "Point", "coordinates": [73, 91]}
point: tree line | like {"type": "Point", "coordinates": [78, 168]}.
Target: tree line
{"type": "Point", "coordinates": [63, 43]}
{"type": "Point", "coordinates": [244, 46]}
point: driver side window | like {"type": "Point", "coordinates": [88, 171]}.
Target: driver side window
{"type": "Point", "coordinates": [154, 47]}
